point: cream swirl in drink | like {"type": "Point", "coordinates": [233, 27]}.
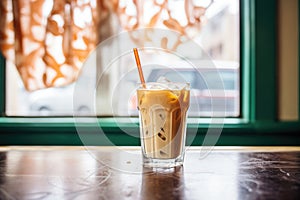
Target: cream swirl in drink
{"type": "Point", "coordinates": [163, 112]}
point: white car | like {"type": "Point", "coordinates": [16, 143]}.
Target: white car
{"type": "Point", "coordinates": [214, 91]}
{"type": "Point", "coordinates": [57, 102]}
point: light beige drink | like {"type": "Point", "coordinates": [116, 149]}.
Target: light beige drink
{"type": "Point", "coordinates": [163, 120]}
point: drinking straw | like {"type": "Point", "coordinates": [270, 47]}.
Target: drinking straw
{"type": "Point", "coordinates": [138, 63]}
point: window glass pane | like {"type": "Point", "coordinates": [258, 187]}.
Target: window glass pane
{"type": "Point", "coordinates": [218, 37]}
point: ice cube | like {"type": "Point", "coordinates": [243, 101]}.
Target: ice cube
{"type": "Point", "coordinates": [173, 86]}
{"type": "Point", "coordinates": [157, 86]}
{"type": "Point", "coordinates": [176, 86]}
{"type": "Point", "coordinates": [163, 79]}
{"type": "Point", "coordinates": [166, 85]}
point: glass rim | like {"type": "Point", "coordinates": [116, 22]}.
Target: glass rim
{"type": "Point", "coordinates": [187, 86]}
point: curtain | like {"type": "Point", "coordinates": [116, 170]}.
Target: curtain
{"type": "Point", "coordinates": [48, 40]}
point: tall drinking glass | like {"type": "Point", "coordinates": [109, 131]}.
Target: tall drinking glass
{"type": "Point", "coordinates": [163, 120]}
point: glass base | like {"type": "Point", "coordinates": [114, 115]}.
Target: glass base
{"type": "Point", "coordinates": [162, 163]}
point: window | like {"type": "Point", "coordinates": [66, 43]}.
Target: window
{"type": "Point", "coordinates": [257, 123]}
{"type": "Point", "coordinates": [217, 34]}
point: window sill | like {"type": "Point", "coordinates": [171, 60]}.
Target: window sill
{"type": "Point", "coordinates": [63, 131]}
{"type": "Point", "coordinates": [65, 121]}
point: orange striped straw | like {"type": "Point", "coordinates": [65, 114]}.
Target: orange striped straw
{"type": "Point", "coordinates": [139, 66]}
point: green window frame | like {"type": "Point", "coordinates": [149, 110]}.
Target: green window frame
{"type": "Point", "coordinates": [258, 124]}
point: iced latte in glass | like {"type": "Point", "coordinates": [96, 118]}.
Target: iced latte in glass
{"type": "Point", "coordinates": [163, 113]}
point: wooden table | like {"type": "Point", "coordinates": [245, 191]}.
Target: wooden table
{"type": "Point", "coordinates": [115, 173]}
